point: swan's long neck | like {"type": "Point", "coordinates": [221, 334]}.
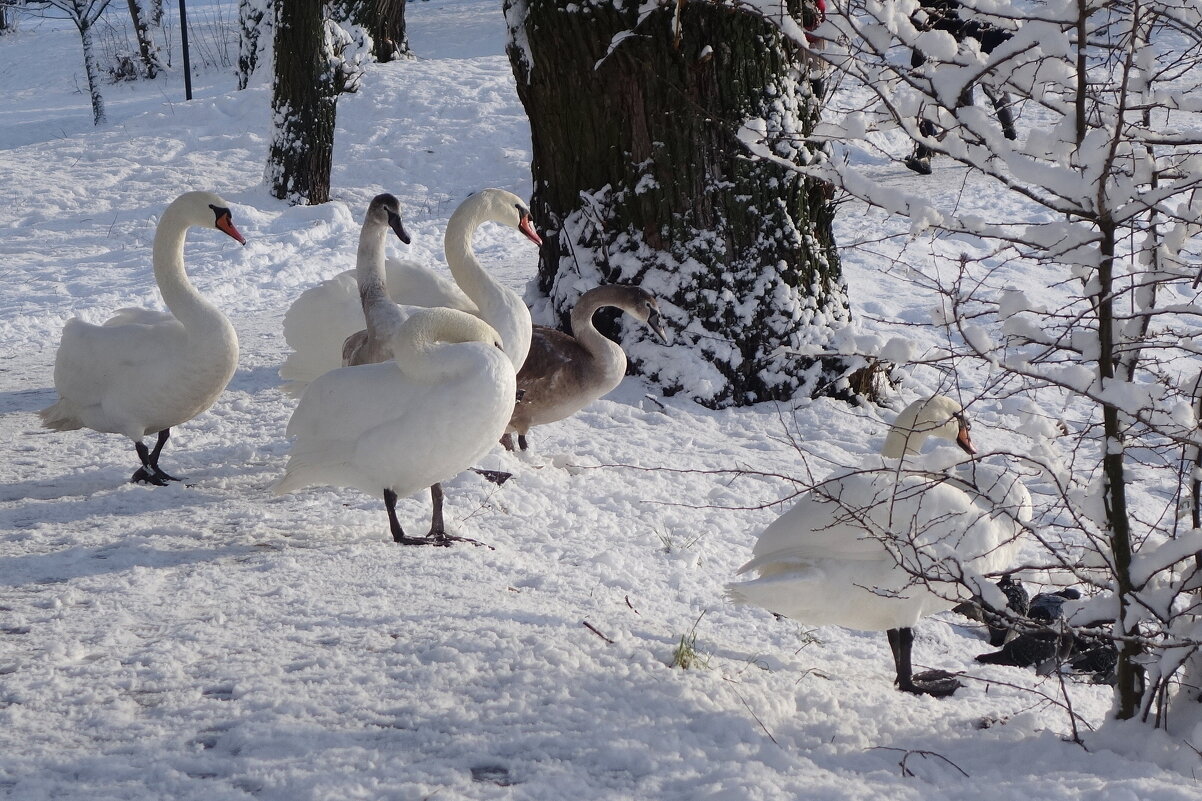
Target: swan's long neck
{"type": "Point", "coordinates": [914, 426]}
{"type": "Point", "coordinates": [902, 440]}
{"type": "Point", "coordinates": [378, 309]}
{"type": "Point", "coordinates": [499, 306]}
{"type": "Point", "coordinates": [181, 297]}
{"type": "Point", "coordinates": [603, 349]}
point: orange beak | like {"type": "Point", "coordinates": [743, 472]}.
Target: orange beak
{"type": "Point", "coordinates": [965, 441]}
{"type": "Point", "coordinates": [225, 224]}
{"type": "Point", "coordinates": [527, 228]}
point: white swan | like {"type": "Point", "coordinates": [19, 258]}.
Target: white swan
{"type": "Point", "coordinates": [881, 549]}
{"type": "Point", "coordinates": [145, 371]}
{"type": "Point", "coordinates": [318, 323]}
{"type": "Point", "coordinates": [409, 423]}
{"type": "Point", "coordinates": [563, 373]}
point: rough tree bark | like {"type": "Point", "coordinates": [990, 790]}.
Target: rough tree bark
{"type": "Point", "coordinates": [304, 99]}
{"type": "Point", "coordinates": [385, 21]}
{"type": "Point", "coordinates": [254, 19]}
{"type": "Point", "coordinates": [141, 18]}
{"type": "Point", "coordinates": [639, 178]}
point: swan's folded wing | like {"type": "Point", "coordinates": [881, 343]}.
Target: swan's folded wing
{"type": "Point", "coordinates": [316, 325]}
{"type": "Point", "coordinates": [413, 284]}
{"type": "Point", "coordinates": [135, 315]}
{"type": "Point", "coordinates": [549, 362]}
{"type": "Point", "coordinates": [341, 404]}
{"type": "Point", "coordinates": [93, 357]}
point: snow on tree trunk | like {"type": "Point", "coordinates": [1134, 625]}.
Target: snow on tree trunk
{"type": "Point", "coordinates": [303, 104]}
{"type": "Point", "coordinates": [385, 21]}
{"type": "Point", "coordinates": [93, 72]}
{"type": "Point", "coordinates": [147, 50]}
{"type": "Point", "coordinates": [638, 179]}
{"type": "Point", "coordinates": [254, 20]}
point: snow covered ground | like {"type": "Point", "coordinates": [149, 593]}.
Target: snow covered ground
{"type": "Point", "coordinates": [207, 640]}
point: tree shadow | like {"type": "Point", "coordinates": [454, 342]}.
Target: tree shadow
{"type": "Point", "coordinates": [26, 400]}
{"type": "Point", "coordinates": [85, 562]}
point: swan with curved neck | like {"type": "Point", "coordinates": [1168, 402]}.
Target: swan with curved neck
{"type": "Point", "coordinates": [402, 425]}
{"type": "Point", "coordinates": [372, 344]}
{"type": "Point", "coordinates": [323, 317]}
{"type": "Point", "coordinates": [938, 416]}
{"type": "Point", "coordinates": [879, 550]}
{"type": "Point", "coordinates": [145, 371]}
{"type": "Point", "coordinates": [563, 373]}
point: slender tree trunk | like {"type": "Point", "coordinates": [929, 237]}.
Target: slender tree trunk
{"type": "Point", "coordinates": [92, 70]}
{"type": "Point", "coordinates": [304, 98]}
{"type": "Point", "coordinates": [639, 178]}
{"type": "Point", "coordinates": [1128, 687]}
{"type": "Point", "coordinates": [146, 46]}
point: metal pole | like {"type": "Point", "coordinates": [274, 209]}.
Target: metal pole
{"type": "Point", "coordinates": [183, 31]}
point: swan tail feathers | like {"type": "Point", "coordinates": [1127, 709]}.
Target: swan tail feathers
{"type": "Point", "coordinates": [60, 417]}
{"type": "Point", "coordinates": [317, 466]}
{"type": "Point", "coordinates": [791, 595]}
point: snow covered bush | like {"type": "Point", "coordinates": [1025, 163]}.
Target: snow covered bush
{"type": "Point", "coordinates": [1107, 165]}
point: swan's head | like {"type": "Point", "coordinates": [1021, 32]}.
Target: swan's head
{"type": "Point", "coordinates": [643, 306]}
{"type": "Point", "coordinates": [385, 209]}
{"type": "Point", "coordinates": [650, 308]}
{"type": "Point", "coordinates": [499, 205]}
{"type": "Point", "coordinates": [937, 416]}
{"type": "Point", "coordinates": [205, 209]}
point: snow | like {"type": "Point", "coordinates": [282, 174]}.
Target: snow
{"type": "Point", "coordinates": [206, 640]}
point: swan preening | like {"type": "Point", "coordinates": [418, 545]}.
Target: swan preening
{"type": "Point", "coordinates": [563, 373]}
{"type": "Point", "coordinates": [405, 424]}
{"type": "Point", "coordinates": [144, 371]}
{"type": "Point", "coordinates": [319, 322]}
{"type": "Point", "coordinates": [879, 550]}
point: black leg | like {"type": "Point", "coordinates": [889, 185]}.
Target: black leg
{"type": "Point", "coordinates": [149, 472]}
{"type": "Point", "coordinates": [164, 435]}
{"type": "Point", "coordinates": [901, 642]}
{"type": "Point", "coordinates": [937, 683]}
{"type": "Point", "coordinates": [522, 441]}
{"type": "Point", "coordinates": [394, 525]}
{"type": "Point", "coordinates": [437, 529]}
{"type": "Point", "coordinates": [1005, 115]}
{"type": "Point", "coordinates": [920, 160]}
{"type": "Point", "coordinates": [438, 533]}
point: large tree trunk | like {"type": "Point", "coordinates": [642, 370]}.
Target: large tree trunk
{"type": "Point", "coordinates": [386, 24]}
{"type": "Point", "coordinates": [639, 178]}
{"type": "Point", "coordinates": [303, 104]}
